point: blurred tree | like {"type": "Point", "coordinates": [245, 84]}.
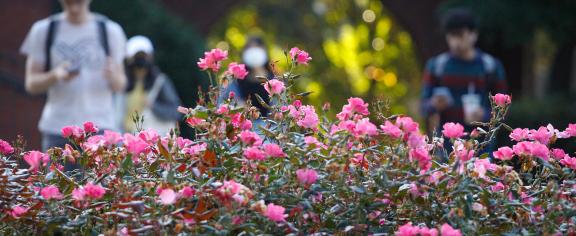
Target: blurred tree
{"type": "Point", "coordinates": [177, 45]}
{"type": "Point", "coordinates": [357, 48]}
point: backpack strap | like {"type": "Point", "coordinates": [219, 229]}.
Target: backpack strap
{"type": "Point", "coordinates": [103, 33]}
{"type": "Point", "coordinates": [48, 44]}
{"type": "Point", "coordinates": [439, 65]}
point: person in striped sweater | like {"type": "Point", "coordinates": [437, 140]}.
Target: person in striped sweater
{"type": "Point", "coordinates": [457, 83]}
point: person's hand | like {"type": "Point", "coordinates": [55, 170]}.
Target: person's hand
{"type": "Point", "coordinates": [111, 69]}
{"type": "Point", "coordinates": [440, 102]}
{"type": "Point", "coordinates": [61, 72]}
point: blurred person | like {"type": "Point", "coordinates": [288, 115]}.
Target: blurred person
{"type": "Point", "coordinates": [149, 92]}
{"type": "Point", "coordinates": [76, 58]}
{"type": "Point", "coordinates": [257, 61]}
{"type": "Point", "coordinates": [457, 83]}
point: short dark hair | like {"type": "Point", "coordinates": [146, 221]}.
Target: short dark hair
{"type": "Point", "coordinates": [458, 19]}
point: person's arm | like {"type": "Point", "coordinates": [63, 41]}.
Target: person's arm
{"type": "Point", "coordinates": [114, 69]}
{"type": "Point", "coordinates": [37, 81]}
{"type": "Point", "coordinates": [425, 97]}
{"type": "Point", "coordinates": [114, 73]}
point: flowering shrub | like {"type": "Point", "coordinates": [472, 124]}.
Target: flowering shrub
{"type": "Point", "coordinates": [293, 171]}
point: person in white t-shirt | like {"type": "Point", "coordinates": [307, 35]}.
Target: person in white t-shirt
{"type": "Point", "coordinates": [76, 58]}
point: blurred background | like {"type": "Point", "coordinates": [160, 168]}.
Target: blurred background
{"type": "Point", "coordinates": [374, 49]}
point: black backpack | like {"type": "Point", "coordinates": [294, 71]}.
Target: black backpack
{"type": "Point", "coordinates": [52, 27]}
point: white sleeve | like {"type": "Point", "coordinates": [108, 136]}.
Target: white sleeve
{"type": "Point", "coordinates": [35, 42]}
{"type": "Point", "coordinates": [117, 41]}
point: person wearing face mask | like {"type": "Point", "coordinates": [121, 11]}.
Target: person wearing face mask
{"type": "Point", "coordinates": [149, 92]}
{"type": "Point", "coordinates": [255, 57]}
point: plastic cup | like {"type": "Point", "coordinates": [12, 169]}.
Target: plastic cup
{"type": "Point", "coordinates": [470, 104]}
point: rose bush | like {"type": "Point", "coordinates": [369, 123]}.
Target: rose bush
{"type": "Point", "coordinates": [294, 171]}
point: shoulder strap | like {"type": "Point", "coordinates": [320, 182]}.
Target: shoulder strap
{"type": "Point", "coordinates": [439, 65]}
{"type": "Point", "coordinates": [49, 41]}
{"type": "Point", "coordinates": [156, 88]}
{"type": "Point", "coordinates": [103, 34]}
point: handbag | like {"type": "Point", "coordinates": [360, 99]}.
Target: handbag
{"type": "Point", "coordinates": [151, 121]}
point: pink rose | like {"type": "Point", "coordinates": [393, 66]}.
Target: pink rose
{"type": "Point", "coordinates": [300, 56]}
{"type": "Point", "coordinates": [391, 130]}
{"type": "Point", "coordinates": [89, 127]}
{"type": "Point", "coordinates": [519, 134]}
{"type": "Point", "coordinates": [481, 166]}
{"type": "Point", "coordinates": [187, 192]}
{"type": "Point", "coordinates": [571, 130]}
{"type": "Point", "coordinates": [497, 187]}
{"type": "Point", "coordinates": [542, 135]}
{"type": "Point", "coordinates": [453, 130]}
{"type": "Point", "coordinates": [212, 59]}
{"type": "Point", "coordinates": [306, 176]}
{"type": "Point", "coordinates": [18, 211]}
{"type": "Point", "coordinates": [94, 191]}
{"type": "Point", "coordinates": [365, 127]}
{"type": "Point", "coordinates": [504, 153]}
{"type": "Point", "coordinates": [273, 150]}
{"type": "Point", "coordinates": [354, 106]}
{"type": "Point", "coordinates": [275, 212]}
{"type": "Point", "coordinates": [407, 230]}
{"type": "Point", "coordinates": [502, 100]}
{"type": "Point", "coordinates": [167, 197]}
{"type": "Point", "coordinates": [72, 131]}
{"type": "Point", "coordinates": [447, 230]}
{"type": "Point", "coordinates": [407, 124]}
{"type": "Point", "coordinates": [51, 192]}
{"type": "Point", "coordinates": [112, 138]}
{"type": "Point", "coordinates": [274, 86]}
{"type": "Point", "coordinates": [135, 145]}
{"type": "Point", "coordinates": [237, 70]}
{"type": "Point", "coordinates": [5, 148]}
{"type": "Point", "coordinates": [569, 162]}
{"type": "Point", "coordinates": [254, 153]}
{"type": "Point", "coordinates": [35, 159]}
{"type": "Point", "coordinates": [558, 153]}
{"type": "Point", "coordinates": [307, 117]}
{"type": "Point", "coordinates": [250, 138]}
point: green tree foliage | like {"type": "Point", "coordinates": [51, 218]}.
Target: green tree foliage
{"type": "Point", "coordinates": [358, 50]}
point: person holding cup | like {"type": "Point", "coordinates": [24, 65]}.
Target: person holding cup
{"type": "Point", "coordinates": [457, 83]}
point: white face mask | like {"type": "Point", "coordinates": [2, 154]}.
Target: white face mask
{"type": "Point", "coordinates": [254, 57]}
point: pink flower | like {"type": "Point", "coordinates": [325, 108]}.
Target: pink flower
{"type": "Point", "coordinates": [483, 165]}
{"type": "Point", "coordinates": [306, 176]}
{"type": "Point", "coordinates": [250, 138]}
{"type": "Point", "coordinates": [187, 192]}
{"type": "Point", "coordinates": [112, 137]}
{"type": "Point", "coordinates": [502, 100]}
{"type": "Point", "coordinates": [274, 86]}
{"type": "Point", "coordinates": [18, 211]}
{"type": "Point", "coordinates": [223, 109]}
{"type": "Point", "coordinates": [365, 127]}
{"type": "Point", "coordinates": [5, 148]}
{"type": "Point", "coordinates": [519, 134]}
{"type": "Point", "coordinates": [453, 130]}
{"type": "Point", "coordinates": [246, 125]}
{"type": "Point", "coordinates": [72, 131]}
{"type": "Point", "coordinates": [254, 153]}
{"type": "Point", "coordinates": [571, 130]}
{"type": "Point", "coordinates": [300, 56]}
{"type": "Point", "coordinates": [78, 194]}
{"type": "Point", "coordinates": [447, 230]}
{"type": "Point", "coordinates": [558, 153]}
{"type": "Point", "coordinates": [428, 232]}
{"type": "Point", "coordinates": [355, 105]}
{"type": "Point", "coordinates": [195, 149]}
{"type": "Point", "coordinates": [168, 197]}
{"type": "Point", "coordinates": [407, 230]}
{"type": "Point", "coordinates": [94, 191]}
{"type": "Point", "coordinates": [135, 145]}
{"type": "Point", "coordinates": [94, 143]}
{"type": "Point", "coordinates": [504, 153]}
{"type": "Point", "coordinates": [51, 192]}
{"type": "Point", "coordinates": [237, 70]}
{"type": "Point", "coordinates": [231, 190]}
{"type": "Point", "coordinates": [391, 130]}
{"type": "Point", "coordinates": [570, 162]}
{"type": "Point", "coordinates": [194, 121]}
{"type": "Point", "coordinates": [497, 187]}
{"type": "Point", "coordinates": [89, 127]}
{"type": "Point", "coordinates": [541, 135]}
{"type": "Point", "coordinates": [35, 159]}
{"type": "Point", "coordinates": [273, 150]}
{"type": "Point", "coordinates": [275, 212]}
{"type": "Point", "coordinates": [150, 136]}
{"type": "Point", "coordinates": [307, 117]}
{"type": "Point", "coordinates": [540, 150]}
{"type": "Point", "coordinates": [422, 156]}
{"type": "Point", "coordinates": [407, 124]}
{"type": "Point", "coordinates": [522, 148]}
{"type": "Point", "coordinates": [212, 59]}
{"type": "Point", "coordinates": [462, 152]}
{"type": "Point", "coordinates": [416, 140]}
